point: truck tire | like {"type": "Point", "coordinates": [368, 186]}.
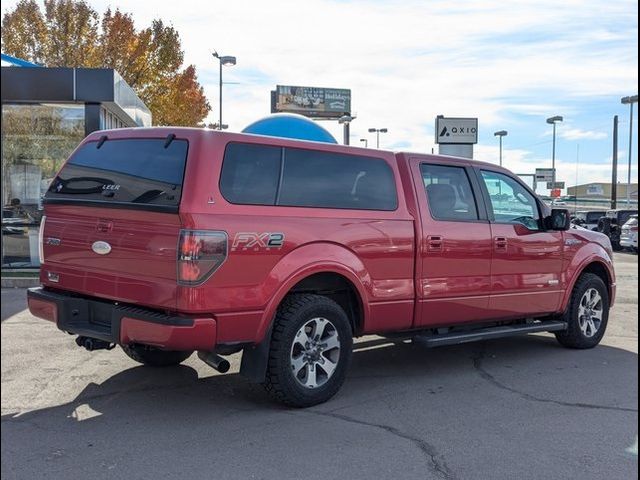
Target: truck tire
{"type": "Point", "coordinates": [154, 357]}
{"type": "Point", "coordinates": [614, 236]}
{"type": "Point", "coordinates": [587, 314]}
{"type": "Point", "coordinates": [604, 225]}
{"type": "Point", "coordinates": [310, 350]}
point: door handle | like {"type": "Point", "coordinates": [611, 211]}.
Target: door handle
{"type": "Point", "coordinates": [434, 243]}
{"type": "Point", "coordinates": [104, 226]}
{"type": "Point", "coordinates": [501, 244]}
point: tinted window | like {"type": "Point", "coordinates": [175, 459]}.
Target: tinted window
{"type": "Point", "coordinates": [136, 171]}
{"type": "Point", "coordinates": [593, 217]}
{"type": "Point", "coordinates": [250, 174]}
{"type": "Point", "coordinates": [265, 175]}
{"type": "Point", "coordinates": [624, 216]}
{"type": "Point", "coordinates": [333, 180]}
{"type": "Point", "coordinates": [449, 193]}
{"type": "Point", "coordinates": [510, 201]}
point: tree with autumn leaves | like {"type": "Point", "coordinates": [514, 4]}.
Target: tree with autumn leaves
{"type": "Point", "coordinates": [70, 33]}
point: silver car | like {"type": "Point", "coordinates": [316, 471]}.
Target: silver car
{"type": "Point", "coordinates": [629, 234]}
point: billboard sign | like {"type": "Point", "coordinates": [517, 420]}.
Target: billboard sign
{"type": "Point", "coordinates": [544, 175]}
{"type": "Point", "coordinates": [313, 102]}
{"type": "Point", "coordinates": [456, 130]}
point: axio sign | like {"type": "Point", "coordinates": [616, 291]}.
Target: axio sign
{"type": "Point", "coordinates": [456, 130]}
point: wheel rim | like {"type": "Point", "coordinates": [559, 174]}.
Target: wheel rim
{"type": "Point", "coordinates": [315, 353]}
{"type": "Point", "coordinates": [590, 312]}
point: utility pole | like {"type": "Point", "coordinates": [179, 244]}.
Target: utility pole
{"type": "Point", "coordinates": [629, 101]}
{"type": "Point", "coordinates": [614, 172]}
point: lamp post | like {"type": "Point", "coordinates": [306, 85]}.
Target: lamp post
{"type": "Point", "coordinates": [553, 121]}
{"type": "Point", "coordinates": [227, 61]}
{"type": "Point", "coordinates": [629, 101]}
{"type": "Point", "coordinates": [366, 142]}
{"type": "Point", "coordinates": [500, 134]}
{"type": "Point", "coordinates": [378, 131]}
{"type": "Point", "coordinates": [345, 120]}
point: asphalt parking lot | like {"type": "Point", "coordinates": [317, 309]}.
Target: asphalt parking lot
{"type": "Point", "coordinates": [520, 408]}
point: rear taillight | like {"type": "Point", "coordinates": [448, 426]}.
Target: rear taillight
{"type": "Point", "coordinates": [41, 239]}
{"type": "Point", "coordinates": [633, 229]}
{"type": "Point", "coordinates": [200, 253]}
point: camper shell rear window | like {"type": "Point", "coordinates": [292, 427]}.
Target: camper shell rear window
{"type": "Point", "coordinates": [123, 173]}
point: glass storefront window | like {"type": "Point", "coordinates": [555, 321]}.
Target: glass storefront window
{"type": "Point", "coordinates": [36, 140]}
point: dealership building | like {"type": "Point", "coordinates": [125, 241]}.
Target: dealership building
{"type": "Point", "coordinates": [602, 190]}
{"type": "Point", "coordinates": [46, 112]}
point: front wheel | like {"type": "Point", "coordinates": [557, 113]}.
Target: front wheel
{"type": "Point", "coordinates": [154, 357]}
{"type": "Point", "coordinates": [587, 314]}
{"type": "Point", "coordinates": [310, 350]}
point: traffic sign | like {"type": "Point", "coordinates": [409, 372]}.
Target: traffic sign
{"type": "Point", "coordinates": [555, 185]}
{"type": "Point", "coordinates": [545, 175]}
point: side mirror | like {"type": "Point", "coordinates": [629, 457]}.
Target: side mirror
{"type": "Point", "coordinates": [560, 219]}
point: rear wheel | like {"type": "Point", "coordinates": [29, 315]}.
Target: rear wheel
{"type": "Point", "coordinates": [587, 314]}
{"type": "Point", "coordinates": [604, 225]}
{"type": "Point", "coordinates": [310, 350]}
{"type": "Point", "coordinates": [154, 357]}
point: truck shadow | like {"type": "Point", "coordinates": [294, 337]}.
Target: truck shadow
{"type": "Point", "coordinates": [154, 410]}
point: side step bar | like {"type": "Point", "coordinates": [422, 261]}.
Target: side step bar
{"type": "Point", "coordinates": [489, 333]}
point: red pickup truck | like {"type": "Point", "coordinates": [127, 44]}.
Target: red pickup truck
{"type": "Point", "coordinates": [167, 241]}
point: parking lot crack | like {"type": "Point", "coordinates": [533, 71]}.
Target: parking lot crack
{"type": "Point", "coordinates": [436, 462]}
{"type": "Point", "coordinates": [478, 359]}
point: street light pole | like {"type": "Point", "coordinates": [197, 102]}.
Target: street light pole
{"type": "Point", "coordinates": [629, 101]}
{"type": "Point", "coordinates": [345, 120]}
{"type": "Point", "coordinates": [500, 134]}
{"type": "Point", "coordinates": [378, 131]}
{"type": "Point", "coordinates": [553, 121]}
{"type": "Point", "coordinates": [227, 61]}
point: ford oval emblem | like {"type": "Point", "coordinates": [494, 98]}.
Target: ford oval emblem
{"type": "Point", "coordinates": [101, 248]}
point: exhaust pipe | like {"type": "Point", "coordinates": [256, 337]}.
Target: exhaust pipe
{"type": "Point", "coordinates": [92, 344]}
{"type": "Point", "coordinates": [215, 361]}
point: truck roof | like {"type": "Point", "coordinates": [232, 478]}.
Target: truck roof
{"type": "Point", "coordinates": [192, 132]}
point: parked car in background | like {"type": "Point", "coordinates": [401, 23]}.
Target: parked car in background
{"type": "Point", "coordinates": [167, 241]}
{"type": "Point", "coordinates": [588, 218]}
{"type": "Point", "coordinates": [629, 234]}
{"type": "Point", "coordinates": [611, 225]}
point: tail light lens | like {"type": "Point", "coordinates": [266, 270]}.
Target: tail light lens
{"type": "Point", "coordinates": [634, 229]}
{"type": "Point", "coordinates": [200, 253]}
{"type": "Point", "coordinates": [41, 239]}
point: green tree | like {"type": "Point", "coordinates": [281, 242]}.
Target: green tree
{"type": "Point", "coordinates": [70, 33]}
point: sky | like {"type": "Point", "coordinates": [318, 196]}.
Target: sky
{"type": "Point", "coordinates": [511, 64]}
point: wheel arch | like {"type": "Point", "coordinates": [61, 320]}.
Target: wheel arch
{"type": "Point", "coordinates": [342, 273]}
{"type": "Point", "coordinates": [597, 267]}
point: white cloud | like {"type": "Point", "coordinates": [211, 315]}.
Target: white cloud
{"type": "Point", "coordinates": [510, 64]}
{"type": "Point", "coordinates": [579, 134]}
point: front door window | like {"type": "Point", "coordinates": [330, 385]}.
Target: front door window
{"type": "Point", "coordinates": [510, 201]}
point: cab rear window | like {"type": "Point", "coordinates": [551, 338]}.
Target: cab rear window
{"type": "Point", "coordinates": [126, 173]}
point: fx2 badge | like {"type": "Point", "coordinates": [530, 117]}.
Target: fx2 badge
{"type": "Point", "coordinates": [257, 240]}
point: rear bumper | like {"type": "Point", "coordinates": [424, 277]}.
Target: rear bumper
{"type": "Point", "coordinates": [121, 324]}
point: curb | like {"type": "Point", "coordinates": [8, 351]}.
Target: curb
{"type": "Point", "coordinates": [20, 282]}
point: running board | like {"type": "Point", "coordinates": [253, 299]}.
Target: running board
{"type": "Point", "coordinates": [489, 333]}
